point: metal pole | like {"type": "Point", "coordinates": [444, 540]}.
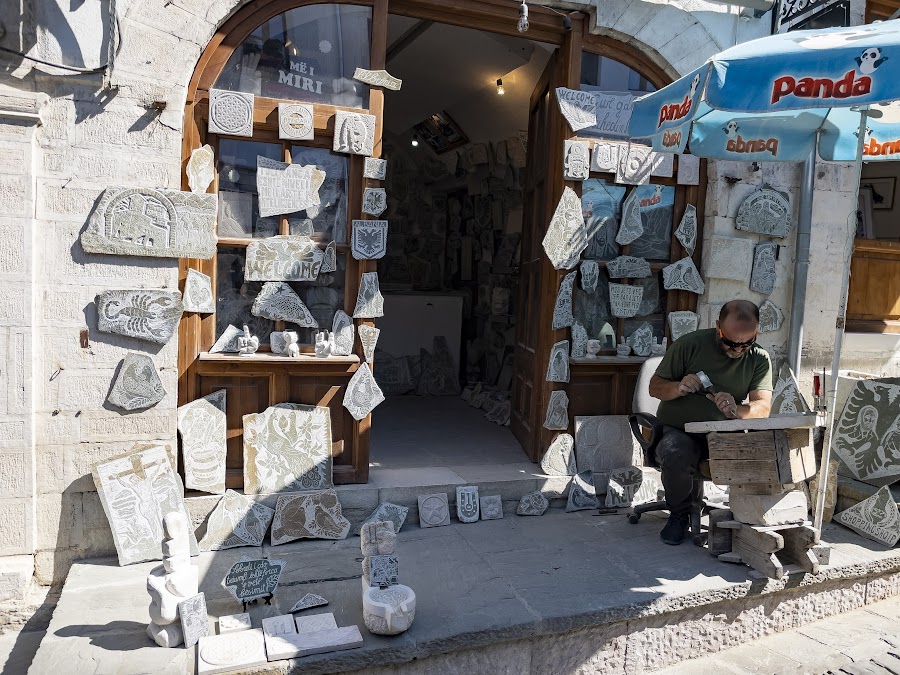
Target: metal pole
{"type": "Point", "coordinates": [801, 260]}
{"type": "Point", "coordinates": [839, 329]}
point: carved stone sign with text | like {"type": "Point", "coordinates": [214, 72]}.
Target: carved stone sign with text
{"type": "Point", "coordinates": [286, 188]}
{"type": "Point", "coordinates": [145, 314]}
{"type": "Point", "coordinates": [875, 518]}
{"type": "Point", "coordinates": [369, 239]}
{"type": "Point", "coordinates": [378, 78]}
{"type": "Point", "coordinates": [296, 121]}
{"type": "Point", "coordinates": [625, 300]}
{"type": "Point", "coordinates": [578, 107]}
{"type": "Point", "coordinates": [283, 258]}
{"type": "Point", "coordinates": [250, 579]}
{"type": "Point", "coordinates": [230, 113]}
{"type": "Point", "coordinates": [765, 212]}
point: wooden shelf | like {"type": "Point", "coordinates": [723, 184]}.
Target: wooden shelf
{"type": "Point", "coordinates": [264, 357]}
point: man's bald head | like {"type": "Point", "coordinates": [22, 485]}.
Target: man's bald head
{"type": "Point", "coordinates": [740, 312]}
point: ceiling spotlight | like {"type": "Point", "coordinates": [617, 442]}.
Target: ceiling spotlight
{"type": "Point", "coordinates": [500, 89]}
{"type": "Point", "coordinates": [415, 141]}
{"type": "Point", "coordinates": [523, 17]}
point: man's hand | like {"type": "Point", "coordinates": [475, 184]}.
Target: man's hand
{"type": "Point", "coordinates": [725, 403]}
{"type": "Point", "coordinates": [690, 384]}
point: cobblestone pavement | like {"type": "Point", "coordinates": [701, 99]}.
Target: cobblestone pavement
{"type": "Point", "coordinates": [863, 642]}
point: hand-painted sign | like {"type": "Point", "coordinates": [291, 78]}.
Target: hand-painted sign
{"type": "Point", "coordinates": [250, 579]}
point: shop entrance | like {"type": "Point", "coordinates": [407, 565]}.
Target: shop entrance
{"type": "Point", "coordinates": [455, 276]}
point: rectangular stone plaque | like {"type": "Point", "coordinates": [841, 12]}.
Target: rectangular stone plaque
{"type": "Point", "coordinates": [194, 620]}
{"type": "Point", "coordinates": [201, 424]}
{"type": "Point", "coordinates": [306, 644]}
{"type": "Point", "coordinates": [381, 570]}
{"type": "Point", "coordinates": [434, 511]}
{"type": "Point", "coordinates": [354, 133]}
{"type": "Point", "coordinates": [152, 223]}
{"type": "Point", "coordinates": [241, 651]}
{"type": "Point", "coordinates": [234, 622]}
{"type": "Point", "coordinates": [296, 121]}
{"type": "Point", "coordinates": [145, 314]}
{"type": "Point", "coordinates": [730, 258]}
{"type": "Point", "coordinates": [279, 625]}
{"type": "Point", "coordinates": [283, 258]}
{"type": "Point", "coordinates": [867, 438]}
{"type": "Point", "coordinates": [315, 622]}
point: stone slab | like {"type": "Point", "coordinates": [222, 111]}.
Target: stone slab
{"type": "Point", "coordinates": [532, 504]}
{"type": "Point", "coordinates": [770, 317]}
{"type": "Point", "coordinates": [232, 623]}
{"type": "Point", "coordinates": [230, 113]}
{"type": "Point", "coordinates": [603, 443]}
{"type": "Point", "coordinates": [313, 515]}
{"type": "Point", "coordinates": [236, 521]}
{"type": "Point", "coordinates": [234, 651]}
{"type": "Point", "coordinates": [867, 436]}
{"type": "Point", "coordinates": [683, 275]}
{"type": "Point", "coordinates": [627, 266]}
{"type": "Point", "coordinates": [558, 363]}
{"type": "Point", "coordinates": [194, 620]}
{"type": "Point", "coordinates": [631, 486]}
{"type": "Point", "coordinates": [766, 211]}
{"type": "Point", "coordinates": [576, 160]}
{"type": "Point", "coordinates": [434, 510]}
{"type": "Point", "coordinates": [491, 507]}
{"type": "Point", "coordinates": [730, 258]}
{"type": "Point", "coordinates": [152, 223]}
{"type": "Point", "coordinates": [566, 236]}
{"type": "Point", "coordinates": [253, 578]}
{"type": "Point", "coordinates": [377, 538]}
{"type": "Point", "coordinates": [582, 494]}
{"type": "Point", "coordinates": [774, 422]}
{"type": "Point", "coordinates": [198, 296]}
{"type": "Point", "coordinates": [319, 642]}
{"type": "Point", "coordinates": [283, 258]}
{"type": "Point", "coordinates": [286, 188]}
{"type": "Point", "coordinates": [380, 570]}
{"type": "Point", "coordinates": [311, 623]}
{"type": "Point", "coordinates": [374, 201]}
{"type": "Point", "coordinates": [145, 314]}
{"type": "Point", "coordinates": [354, 133]}
{"type": "Point", "coordinates": [283, 624]}
{"type": "Point", "coordinates": [786, 397]}
{"type": "Point", "coordinates": [686, 232]}
{"type": "Point", "coordinates": [557, 417]}
{"type": "Point", "coordinates": [202, 425]}
{"type": "Point", "coordinates": [296, 121]}
{"type": "Point", "coordinates": [137, 384]}
{"type": "Point", "coordinates": [369, 239]}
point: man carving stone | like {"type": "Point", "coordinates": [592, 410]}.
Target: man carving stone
{"type": "Point", "coordinates": [741, 373]}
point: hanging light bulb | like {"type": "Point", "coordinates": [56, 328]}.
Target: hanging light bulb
{"type": "Point", "coordinates": [523, 17]}
{"type": "Point", "coordinates": [415, 141]}
{"type": "Point", "coordinates": [500, 89]}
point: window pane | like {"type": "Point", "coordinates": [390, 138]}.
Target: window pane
{"type": "Point", "coordinates": [306, 54]}
{"type": "Point", "coordinates": [601, 203]}
{"type": "Point", "coordinates": [234, 296]}
{"type": "Point", "coordinates": [657, 209]}
{"type": "Point", "coordinates": [238, 200]}
{"type": "Point", "coordinates": [323, 297]}
{"type": "Point", "coordinates": [329, 222]}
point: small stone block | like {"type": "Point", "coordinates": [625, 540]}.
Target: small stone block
{"type": "Point", "coordinates": [315, 622]}
{"type": "Point", "coordinates": [378, 538]}
{"type": "Point", "coordinates": [434, 510]}
{"type": "Point", "coordinates": [234, 651]}
{"type": "Point", "coordinates": [279, 625]}
{"type": "Point", "coordinates": [822, 553]}
{"type": "Point", "coordinates": [234, 622]}
{"type": "Point", "coordinates": [532, 504]}
{"type": "Point", "coordinates": [381, 570]}
{"type": "Point", "coordinates": [491, 507]}
{"type": "Point", "coordinates": [467, 505]}
{"type": "Point", "coordinates": [194, 620]}
{"type": "Point", "coordinates": [320, 642]}
{"type": "Point", "coordinates": [308, 601]}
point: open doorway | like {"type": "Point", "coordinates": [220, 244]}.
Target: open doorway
{"type": "Point", "coordinates": [455, 136]}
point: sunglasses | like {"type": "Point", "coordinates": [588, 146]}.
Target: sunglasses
{"type": "Point", "coordinates": [731, 344]}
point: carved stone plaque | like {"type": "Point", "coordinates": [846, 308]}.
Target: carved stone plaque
{"type": "Point", "coordinates": [491, 507]}
{"type": "Point", "coordinates": [309, 601]}
{"type": "Point", "coordinates": [786, 397]}
{"type": "Point", "coordinates": [557, 418]}
{"type": "Point", "coordinates": [590, 274]}
{"type": "Point", "coordinates": [562, 311]}
{"type": "Point", "coordinates": [198, 295]}
{"type": "Point", "coordinates": [730, 258]}
{"type": "Point", "coordinates": [688, 170]}
{"type": "Point", "coordinates": [631, 486]}
{"type": "Point", "coordinates": [145, 314]}
{"type": "Point", "coordinates": [329, 261]}
{"type": "Point", "coordinates": [663, 164]}
{"type": "Point", "coordinates": [286, 188]}
{"type": "Point", "coordinates": [363, 393]}
{"type": "Point", "coordinates": [287, 449]}
{"type": "Point", "coordinates": [274, 626]}
{"type": "Point", "coordinates": [686, 232]}
{"type": "Point", "coordinates": [532, 504]}
{"type": "Point", "coordinates": [354, 133]}
{"type": "Point", "coordinates": [604, 443]}
{"type": "Point", "coordinates": [368, 338]}
{"type": "Point", "coordinates": [566, 236]}
{"type": "Point", "coordinates": [641, 340]}
{"type": "Point", "coordinates": [770, 317]}
{"type": "Point", "coordinates": [605, 157]}
{"type": "Point", "coordinates": [296, 121]}
{"type": "Point", "coordinates": [375, 168]}
{"type": "Point", "coordinates": [152, 223]}
{"type": "Point", "coordinates": [137, 385]}
{"type": "Point", "coordinates": [251, 579]}
{"type": "Point", "coordinates": [682, 323]}
{"type": "Point", "coordinates": [369, 301]}
{"type": "Point", "coordinates": [387, 512]}
{"type": "Point", "coordinates": [577, 160]}
{"type": "Point", "coordinates": [236, 521]}
{"type": "Point", "coordinates": [315, 622]}
{"type": "Point", "coordinates": [635, 164]}
{"type": "Point", "coordinates": [762, 278]}
{"type": "Point", "coordinates": [558, 365]}
{"type": "Point", "coordinates": [279, 302]}
{"type": "Point", "coordinates": [767, 212]}
{"type": "Point", "coordinates": [369, 239]}
{"type": "Point", "coordinates": [227, 341]}
{"type": "Point", "coordinates": [283, 258]}
{"type": "Point", "coordinates": [378, 78]}
{"type": "Point", "coordinates": [625, 300]}
{"type": "Point", "coordinates": [233, 623]}
{"type": "Point", "coordinates": [313, 515]}
{"type": "Point", "coordinates": [626, 266]}
{"type": "Point", "coordinates": [344, 334]}
{"type": "Point", "coordinates": [241, 651]}
{"type": "Point", "coordinates": [582, 494]}
{"type": "Point", "coordinates": [578, 107]}
{"type": "Point", "coordinates": [631, 227]}
{"type": "Point", "coordinates": [374, 201]}
{"type": "Point", "coordinates": [467, 505]}
{"type": "Point", "coordinates": [230, 113]}
{"type": "Point", "coordinates": [875, 518]}
{"type": "Point", "coordinates": [867, 438]}
{"type": "Point", "coordinates": [194, 619]}
{"type": "Point", "coordinates": [434, 511]}
{"type": "Point", "coordinates": [683, 276]}
{"type": "Point", "coordinates": [201, 169]}
{"type": "Point", "coordinates": [381, 570]}
{"type": "Point", "coordinates": [201, 424]}
{"type": "Point", "coordinates": [579, 341]}
{"type": "Point", "coordinates": [559, 460]}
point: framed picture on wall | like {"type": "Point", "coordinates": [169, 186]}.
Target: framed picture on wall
{"type": "Point", "coordinates": [865, 229]}
{"type": "Point", "coordinates": [441, 133]}
{"type": "Point", "coordinates": [882, 191]}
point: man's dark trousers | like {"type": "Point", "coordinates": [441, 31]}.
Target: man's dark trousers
{"type": "Point", "coordinates": [678, 455]}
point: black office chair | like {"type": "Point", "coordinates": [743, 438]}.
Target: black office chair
{"type": "Point", "coordinates": [646, 429]}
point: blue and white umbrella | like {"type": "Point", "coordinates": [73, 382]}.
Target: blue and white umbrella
{"type": "Point", "coordinates": [774, 99]}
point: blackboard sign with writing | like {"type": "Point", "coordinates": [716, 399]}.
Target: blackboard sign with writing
{"type": "Point", "coordinates": [250, 579]}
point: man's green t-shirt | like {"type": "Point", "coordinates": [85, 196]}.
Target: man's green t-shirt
{"type": "Point", "coordinates": [700, 350]}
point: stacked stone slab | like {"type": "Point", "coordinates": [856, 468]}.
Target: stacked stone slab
{"type": "Point", "coordinates": [171, 583]}
{"type": "Point", "coordinates": [388, 607]}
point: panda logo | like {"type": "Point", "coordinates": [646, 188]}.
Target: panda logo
{"type": "Point", "coordinates": [731, 130]}
{"type": "Point", "coordinates": [869, 60]}
{"type": "Point", "coordinates": [694, 84]}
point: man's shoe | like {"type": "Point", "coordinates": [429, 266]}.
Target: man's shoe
{"type": "Point", "coordinates": [673, 533]}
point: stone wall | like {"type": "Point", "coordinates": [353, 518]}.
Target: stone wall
{"type": "Point", "coordinates": [123, 125]}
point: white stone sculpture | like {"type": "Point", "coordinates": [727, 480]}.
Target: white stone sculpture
{"type": "Point", "coordinates": [230, 113]}
{"type": "Point", "coordinates": [593, 348]}
{"type": "Point", "coordinates": [324, 344]}
{"type": "Point", "coordinates": [559, 460]}
{"type": "Point", "coordinates": [354, 133]}
{"type": "Point", "coordinates": [686, 232]}
{"type": "Point", "coordinates": [579, 341]}
{"type": "Point", "coordinates": [374, 201]}
{"type": "Point", "coordinates": [146, 314]}
{"type": "Point", "coordinates": [562, 310]}
{"type": "Point", "coordinates": [627, 266]}
{"type": "Point", "coordinates": [762, 276]}
{"type": "Point", "coordinates": [296, 121]}
{"type": "Point", "coordinates": [286, 188]}
{"type": "Point", "coordinates": [577, 160]}
{"type": "Point", "coordinates": [658, 348]}
{"type": "Point", "coordinates": [566, 236]}
{"type": "Point", "coordinates": [201, 169]}
{"type": "Point", "coordinates": [198, 296]}
{"type": "Point", "coordinates": [369, 301]}
{"type": "Point", "coordinates": [279, 302]}
{"type": "Point", "coordinates": [363, 393]}
{"type": "Point", "coordinates": [283, 258]}
{"type": "Point", "coordinates": [247, 344]}
{"type": "Point", "coordinates": [623, 349]}
{"type": "Point", "coordinates": [378, 78]}
{"type": "Point", "coordinates": [557, 418]}
{"type": "Point", "coordinates": [730, 258]}
{"type": "Point", "coordinates": [137, 385]}
{"type": "Point", "coordinates": [368, 338]}
{"type": "Point", "coordinates": [770, 317]}
{"type": "Point", "coordinates": [625, 300]}
{"type": "Point", "coordinates": [172, 582]}
{"type": "Point", "coordinates": [683, 276]}
{"type": "Point", "coordinates": [558, 364]}
{"type": "Point", "coordinates": [369, 239]}
{"type": "Point", "coordinates": [631, 226]}
{"type": "Point", "coordinates": [375, 168]}
{"type": "Point", "coordinates": [590, 275]}
{"type": "Point", "coordinates": [389, 611]}
{"type": "Point", "coordinates": [682, 323]}
{"type": "Point", "coordinates": [202, 425]}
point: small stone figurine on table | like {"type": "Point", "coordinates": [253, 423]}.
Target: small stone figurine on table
{"type": "Point", "coordinates": [247, 344]}
{"type": "Point", "coordinates": [388, 607]}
